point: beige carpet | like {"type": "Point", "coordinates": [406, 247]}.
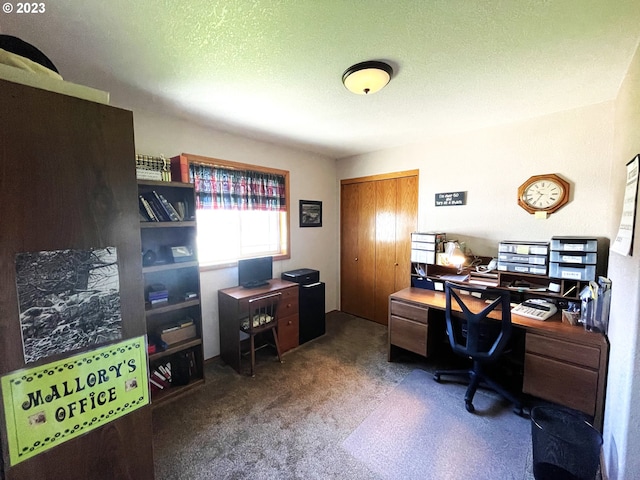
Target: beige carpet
{"type": "Point", "coordinates": [290, 421]}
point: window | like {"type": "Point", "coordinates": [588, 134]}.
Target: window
{"type": "Point", "coordinates": [242, 211]}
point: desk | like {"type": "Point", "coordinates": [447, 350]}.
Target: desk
{"type": "Point", "coordinates": [233, 304]}
{"type": "Point", "coordinates": [563, 363]}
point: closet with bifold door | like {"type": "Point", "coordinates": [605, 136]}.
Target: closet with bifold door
{"type": "Point", "coordinates": [377, 215]}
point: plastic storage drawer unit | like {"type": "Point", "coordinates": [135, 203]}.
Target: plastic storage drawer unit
{"type": "Point", "coordinates": [574, 244]}
{"type": "Point", "coordinates": [522, 268]}
{"type": "Point", "coordinates": [524, 248]}
{"type": "Point", "coordinates": [572, 271]}
{"type": "Point", "coordinates": [583, 258]}
{"type": "Point", "coordinates": [526, 259]}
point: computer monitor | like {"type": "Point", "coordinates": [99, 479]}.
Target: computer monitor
{"type": "Point", "coordinates": [255, 272]}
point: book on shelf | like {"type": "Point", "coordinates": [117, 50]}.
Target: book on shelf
{"type": "Point", "coordinates": [179, 169]}
{"type": "Point", "coordinates": [167, 207]}
{"type": "Point", "coordinates": [156, 207]}
{"type": "Point", "coordinates": [149, 167]}
{"type": "Point", "coordinates": [146, 210]}
{"type": "Point", "coordinates": [161, 301]}
{"type": "Point", "coordinates": [145, 174]}
{"type": "Point", "coordinates": [162, 205]}
{"type": "Point", "coordinates": [162, 296]}
{"type": "Point", "coordinates": [157, 294]}
{"type": "Point", "coordinates": [181, 209]}
{"type": "Point", "coordinates": [160, 377]}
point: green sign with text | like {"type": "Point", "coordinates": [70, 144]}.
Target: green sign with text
{"type": "Point", "coordinates": [50, 404]}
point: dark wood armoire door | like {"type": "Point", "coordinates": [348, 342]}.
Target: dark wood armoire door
{"type": "Point", "coordinates": [67, 181]}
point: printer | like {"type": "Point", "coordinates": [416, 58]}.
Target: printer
{"type": "Point", "coordinates": [303, 276]}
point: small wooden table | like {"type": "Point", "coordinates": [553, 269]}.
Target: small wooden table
{"type": "Point", "coordinates": [233, 304]}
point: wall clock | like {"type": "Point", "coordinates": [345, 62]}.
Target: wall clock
{"type": "Point", "coordinates": [543, 193]}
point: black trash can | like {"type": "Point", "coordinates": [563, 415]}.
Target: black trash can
{"type": "Point", "coordinates": [565, 446]}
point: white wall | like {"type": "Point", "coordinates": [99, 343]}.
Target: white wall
{"type": "Point", "coordinates": [490, 165]}
{"type": "Point", "coordinates": [622, 415]}
{"type": "Point", "coordinates": [312, 177]}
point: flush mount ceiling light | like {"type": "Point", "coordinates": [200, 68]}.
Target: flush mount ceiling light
{"type": "Point", "coordinates": [367, 77]}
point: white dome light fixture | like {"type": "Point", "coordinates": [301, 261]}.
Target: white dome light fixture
{"type": "Point", "coordinates": [367, 77]}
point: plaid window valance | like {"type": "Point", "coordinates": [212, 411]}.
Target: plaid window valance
{"type": "Point", "coordinates": [224, 188]}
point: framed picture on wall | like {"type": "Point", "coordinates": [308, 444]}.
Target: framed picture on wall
{"type": "Point", "coordinates": [310, 213]}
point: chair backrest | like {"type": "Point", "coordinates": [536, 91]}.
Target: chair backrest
{"type": "Point", "coordinates": [263, 311]}
{"type": "Point", "coordinates": [469, 329]}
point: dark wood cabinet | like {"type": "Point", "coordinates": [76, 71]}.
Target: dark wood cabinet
{"type": "Point", "coordinates": [68, 181]}
{"type": "Point", "coordinates": [170, 263]}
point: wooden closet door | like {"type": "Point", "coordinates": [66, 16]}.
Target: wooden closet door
{"type": "Point", "coordinates": [378, 214]}
{"type": "Point", "coordinates": [349, 206]}
{"type": "Point", "coordinates": [406, 223]}
{"type": "Point", "coordinates": [386, 265]}
{"type": "Point", "coordinates": [396, 218]}
{"type": "Point", "coordinates": [357, 266]}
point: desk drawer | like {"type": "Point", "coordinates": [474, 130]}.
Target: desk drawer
{"type": "Point", "coordinates": [289, 294]}
{"type": "Point", "coordinates": [582, 355]}
{"type": "Point", "coordinates": [288, 332]}
{"type": "Point", "coordinates": [559, 382]}
{"type": "Point", "coordinates": [288, 306]}
{"type": "Point", "coordinates": [408, 334]}
{"type": "Point", "coordinates": [410, 311]}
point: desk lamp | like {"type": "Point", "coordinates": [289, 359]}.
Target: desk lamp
{"type": "Point", "coordinates": [455, 255]}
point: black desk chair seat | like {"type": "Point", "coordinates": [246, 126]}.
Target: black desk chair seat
{"type": "Point", "coordinates": [475, 336]}
{"type": "Point", "coordinates": [262, 317]}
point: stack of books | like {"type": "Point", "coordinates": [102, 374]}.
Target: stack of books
{"type": "Point", "coordinates": [152, 168]}
{"type": "Point", "coordinates": [160, 377]}
{"type": "Point", "coordinates": [154, 207]}
{"type": "Point", "coordinates": [158, 297]}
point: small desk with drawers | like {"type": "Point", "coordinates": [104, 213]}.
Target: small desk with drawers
{"type": "Point", "coordinates": [562, 363]}
{"type": "Point", "coordinates": [233, 304]}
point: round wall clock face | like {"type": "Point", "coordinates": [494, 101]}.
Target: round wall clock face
{"type": "Point", "coordinates": [543, 193]}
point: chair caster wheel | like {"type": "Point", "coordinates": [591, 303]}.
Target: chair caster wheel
{"type": "Point", "coordinates": [469, 406]}
{"type": "Point", "coordinates": [436, 377]}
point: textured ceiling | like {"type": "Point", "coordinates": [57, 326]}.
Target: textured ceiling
{"type": "Point", "coordinates": [271, 69]}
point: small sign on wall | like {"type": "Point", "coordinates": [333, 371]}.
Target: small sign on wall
{"type": "Point", "coordinates": [451, 198]}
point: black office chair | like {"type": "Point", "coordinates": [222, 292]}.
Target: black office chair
{"type": "Point", "coordinates": [262, 316]}
{"type": "Point", "coordinates": [475, 336]}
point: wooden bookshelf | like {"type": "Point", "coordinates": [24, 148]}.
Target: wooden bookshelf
{"type": "Point", "coordinates": [178, 278]}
